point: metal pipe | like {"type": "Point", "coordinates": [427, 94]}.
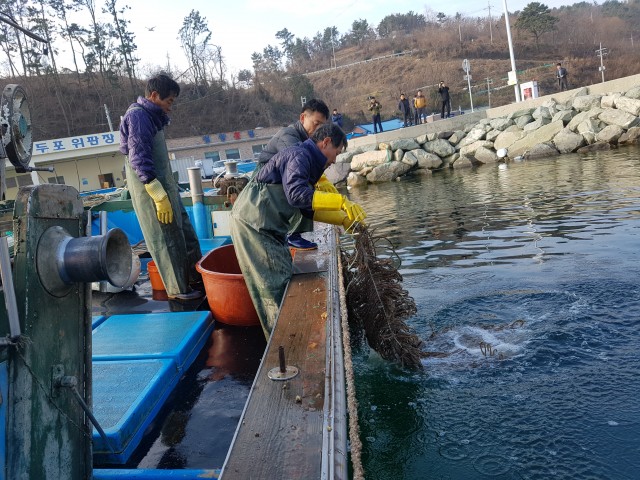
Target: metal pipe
{"type": "Point", "coordinates": [8, 290]}
{"type": "Point", "coordinates": [102, 215]}
{"type": "Point", "coordinates": [197, 195]}
{"type": "Point", "coordinates": [513, 60]}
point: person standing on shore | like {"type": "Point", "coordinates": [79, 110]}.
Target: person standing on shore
{"type": "Point", "coordinates": [405, 108]}
{"type": "Point", "coordinates": [443, 90]}
{"type": "Point", "coordinates": [374, 108]}
{"type": "Point", "coordinates": [336, 117]}
{"type": "Point", "coordinates": [420, 104]}
{"type": "Point", "coordinates": [561, 75]}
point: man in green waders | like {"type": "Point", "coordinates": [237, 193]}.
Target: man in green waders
{"type": "Point", "coordinates": [165, 225]}
{"type": "Point", "coordinates": [262, 215]}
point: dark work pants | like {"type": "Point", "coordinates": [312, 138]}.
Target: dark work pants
{"type": "Point", "coordinates": [563, 83]}
{"type": "Point", "coordinates": [446, 104]}
{"type": "Point", "coordinates": [377, 122]}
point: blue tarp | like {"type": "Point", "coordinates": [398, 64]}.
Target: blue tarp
{"type": "Point", "coordinates": [392, 124]}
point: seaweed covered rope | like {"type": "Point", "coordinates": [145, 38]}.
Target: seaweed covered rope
{"type": "Point", "coordinates": [377, 302]}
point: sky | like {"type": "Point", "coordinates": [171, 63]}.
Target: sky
{"type": "Point", "coordinates": [242, 27]}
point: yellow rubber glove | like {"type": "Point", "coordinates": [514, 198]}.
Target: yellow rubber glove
{"type": "Point", "coordinates": [354, 211]}
{"type": "Point", "coordinates": [324, 185]}
{"type": "Point", "coordinates": [163, 204]}
{"type": "Point", "coordinates": [334, 217]}
{"type": "Point", "coordinates": [324, 201]}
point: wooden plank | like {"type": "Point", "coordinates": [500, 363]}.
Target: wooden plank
{"type": "Point", "coordinates": [281, 431]}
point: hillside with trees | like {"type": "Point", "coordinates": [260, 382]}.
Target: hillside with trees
{"type": "Point", "coordinates": [404, 52]}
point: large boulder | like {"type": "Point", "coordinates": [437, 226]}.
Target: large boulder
{"type": "Point", "coordinates": [525, 112]}
{"type": "Point", "coordinates": [523, 120]}
{"type": "Point", "coordinates": [470, 149]}
{"type": "Point", "coordinates": [422, 159]}
{"type": "Point", "coordinates": [629, 105]}
{"type": "Point", "coordinates": [345, 157]}
{"type": "Point", "coordinates": [609, 134]}
{"type": "Point", "coordinates": [582, 116]}
{"type": "Point", "coordinates": [631, 136]}
{"type": "Point", "coordinates": [464, 162]}
{"type": "Point", "coordinates": [613, 116]}
{"type": "Point", "coordinates": [370, 159]}
{"type": "Point", "coordinates": [589, 125]}
{"type": "Point", "coordinates": [478, 133]}
{"type": "Point", "coordinates": [595, 147]}
{"type": "Point", "coordinates": [485, 155]}
{"type": "Point", "coordinates": [492, 135]}
{"type": "Point", "coordinates": [456, 137]}
{"type": "Point", "coordinates": [633, 93]}
{"type": "Point", "coordinates": [356, 180]}
{"type": "Point", "coordinates": [536, 124]}
{"type": "Point", "coordinates": [541, 150]}
{"type": "Point", "coordinates": [440, 147]}
{"type": "Point", "coordinates": [501, 123]}
{"type": "Point", "coordinates": [609, 101]}
{"type": "Point", "coordinates": [586, 102]}
{"type": "Point", "coordinates": [387, 172]}
{"type": "Point", "coordinates": [508, 137]}
{"type": "Point", "coordinates": [542, 112]}
{"type": "Point", "coordinates": [403, 144]}
{"type": "Point", "coordinates": [397, 156]}
{"type": "Point", "coordinates": [338, 172]}
{"type": "Point", "coordinates": [564, 115]}
{"type": "Point", "coordinates": [541, 135]}
{"type": "Point", "coordinates": [567, 141]}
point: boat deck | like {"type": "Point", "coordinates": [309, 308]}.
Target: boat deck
{"type": "Point", "coordinates": [296, 428]}
{"type": "Point", "coordinates": [281, 429]}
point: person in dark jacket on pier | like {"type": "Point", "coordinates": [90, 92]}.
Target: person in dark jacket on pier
{"type": "Point", "coordinates": [314, 113]}
{"type": "Point", "coordinates": [374, 108]}
{"type": "Point", "coordinates": [443, 90]}
{"type": "Point", "coordinates": [561, 75]}
{"type": "Point", "coordinates": [262, 214]}
{"type": "Point", "coordinates": [405, 108]}
{"type": "Point", "coordinates": [336, 117]}
{"type": "Point", "coordinates": [167, 231]}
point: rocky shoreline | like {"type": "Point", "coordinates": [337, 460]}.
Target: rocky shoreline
{"type": "Point", "coordinates": [583, 123]}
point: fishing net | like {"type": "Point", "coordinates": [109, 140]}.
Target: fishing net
{"type": "Point", "coordinates": [376, 301]}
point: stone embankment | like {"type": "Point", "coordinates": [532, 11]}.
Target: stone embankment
{"type": "Point", "coordinates": [582, 122]}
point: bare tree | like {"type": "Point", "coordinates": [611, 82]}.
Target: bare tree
{"type": "Point", "coordinates": [126, 37]}
{"type": "Point", "coordinates": [194, 37]}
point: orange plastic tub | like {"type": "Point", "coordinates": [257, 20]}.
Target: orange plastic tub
{"type": "Point", "coordinates": [154, 276]}
{"type": "Point", "coordinates": [226, 289]}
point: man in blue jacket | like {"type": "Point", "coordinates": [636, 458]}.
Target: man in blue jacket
{"type": "Point", "coordinates": [314, 113]}
{"type": "Point", "coordinates": [262, 215]}
{"type": "Point", "coordinates": [167, 231]}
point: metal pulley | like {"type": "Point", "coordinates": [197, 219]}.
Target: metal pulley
{"type": "Point", "coordinates": [15, 127]}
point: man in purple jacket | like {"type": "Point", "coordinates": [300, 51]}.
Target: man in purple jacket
{"type": "Point", "coordinates": [167, 231]}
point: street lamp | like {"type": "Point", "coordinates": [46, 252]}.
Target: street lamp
{"type": "Point", "coordinates": [513, 78]}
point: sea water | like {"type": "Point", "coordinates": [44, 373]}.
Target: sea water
{"type": "Point", "coordinates": [526, 277]}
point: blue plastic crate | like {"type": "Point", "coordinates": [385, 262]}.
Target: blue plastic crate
{"type": "Point", "coordinates": [127, 396]}
{"type": "Point", "coordinates": [178, 335]}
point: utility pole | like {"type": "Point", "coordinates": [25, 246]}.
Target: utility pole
{"type": "Point", "coordinates": [466, 66]}
{"type": "Point", "coordinates": [106, 112]}
{"type": "Point", "coordinates": [513, 72]}
{"type": "Point", "coordinates": [601, 52]}
{"type": "Point", "coordinates": [490, 22]}
{"type": "Point", "coordinates": [489, 82]}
